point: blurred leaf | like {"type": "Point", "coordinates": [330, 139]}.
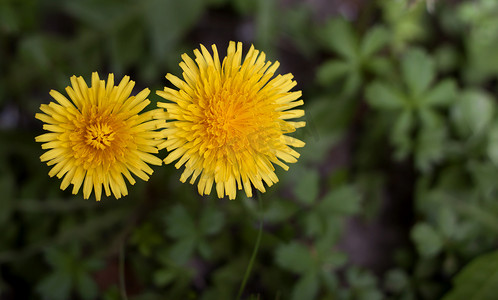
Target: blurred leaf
{"type": "Point", "coordinates": [211, 221]}
{"type": "Point", "coordinates": [418, 71]}
{"type": "Point", "coordinates": [473, 112]}
{"type": "Point", "coordinates": [294, 257]}
{"type": "Point", "coordinates": [179, 223]}
{"type": "Point", "coordinates": [447, 58]}
{"type": "Point", "coordinates": [182, 250]}
{"type": "Point", "coordinates": [363, 284]}
{"type": "Point", "coordinates": [204, 249]}
{"type": "Point", "coordinates": [381, 96]}
{"type": "Point", "coordinates": [332, 259]}
{"type": "Point", "coordinates": [375, 39]}
{"type": "Point", "coordinates": [447, 222]}
{"type": "Point", "coordinates": [330, 280]}
{"type": "Point", "coordinates": [426, 239]}
{"type": "Point", "coordinates": [313, 224]}
{"type": "Point", "coordinates": [266, 24]}
{"type": "Point", "coordinates": [245, 6]}
{"type": "Point", "coordinates": [331, 70]}
{"type": "Point", "coordinates": [10, 21]}
{"type": "Point", "coordinates": [338, 35]}
{"type": "Point", "coordinates": [492, 148]}
{"type": "Point", "coordinates": [86, 287]}
{"type": "Point", "coordinates": [397, 281]}
{"type": "Point", "coordinates": [164, 276]}
{"type": "Point", "coordinates": [56, 286]}
{"type": "Point", "coordinates": [405, 22]}
{"type": "Point", "coordinates": [306, 287]}
{"type": "Point", "coordinates": [343, 200]}
{"type": "Point", "coordinates": [443, 94]}
{"type": "Point", "coordinates": [70, 272]}
{"type": "Point", "coordinates": [307, 187]}
{"type": "Point", "coordinates": [167, 21]}
{"type": "Point", "coordinates": [430, 147]}
{"type": "Point", "coordinates": [380, 66]}
{"type": "Point", "coordinates": [279, 210]}
{"type": "Point", "coordinates": [478, 280]}
{"type": "Point", "coordinates": [146, 238]}
{"type": "Point", "coordinates": [353, 83]}
{"type": "Point", "coordinates": [97, 14]}
{"type": "Point", "coordinates": [401, 134]}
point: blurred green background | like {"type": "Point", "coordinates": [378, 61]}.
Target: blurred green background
{"type": "Point", "coordinates": [394, 196]}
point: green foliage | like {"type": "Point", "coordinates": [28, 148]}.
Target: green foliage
{"type": "Point", "coordinates": [190, 234]}
{"type": "Point", "coordinates": [417, 107]}
{"type": "Point", "coordinates": [70, 273]}
{"type": "Point", "coordinates": [427, 240]}
{"type": "Point", "coordinates": [357, 57]}
{"type": "Point", "coordinates": [478, 280]}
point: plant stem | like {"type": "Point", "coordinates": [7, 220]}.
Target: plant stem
{"type": "Point", "coordinates": [255, 250]}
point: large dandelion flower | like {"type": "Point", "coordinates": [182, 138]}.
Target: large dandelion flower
{"type": "Point", "coordinates": [229, 120]}
{"type": "Point", "coordinates": [99, 136]}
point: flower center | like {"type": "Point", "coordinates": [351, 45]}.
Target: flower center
{"type": "Point", "coordinates": [99, 136]}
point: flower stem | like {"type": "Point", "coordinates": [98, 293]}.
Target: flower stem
{"type": "Point", "coordinates": [254, 251]}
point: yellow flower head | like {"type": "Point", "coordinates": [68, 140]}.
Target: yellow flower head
{"type": "Point", "coordinates": [229, 120]}
{"type": "Point", "coordinates": [100, 136]}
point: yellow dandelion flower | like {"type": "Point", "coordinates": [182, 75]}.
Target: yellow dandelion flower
{"type": "Point", "coordinates": [99, 137]}
{"type": "Point", "coordinates": [229, 120]}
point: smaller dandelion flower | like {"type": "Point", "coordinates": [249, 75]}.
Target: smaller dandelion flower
{"type": "Point", "coordinates": [99, 137]}
{"type": "Point", "coordinates": [230, 120]}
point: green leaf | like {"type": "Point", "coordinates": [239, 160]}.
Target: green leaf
{"type": "Point", "coordinates": [344, 200]}
{"type": "Point", "coordinates": [381, 96]}
{"type": "Point", "coordinates": [401, 134]}
{"type": "Point", "coordinates": [332, 259]}
{"type": "Point", "coordinates": [360, 278]}
{"type": "Point", "coordinates": [352, 84]}
{"type": "Point", "coordinates": [418, 71]}
{"type": "Point", "coordinates": [338, 36]}
{"type": "Point", "coordinates": [473, 112]}
{"type": "Point", "coordinates": [426, 239]}
{"type": "Point", "coordinates": [375, 39]}
{"type": "Point", "coordinates": [312, 224]}
{"type": "Point", "coordinates": [330, 280]}
{"type": "Point", "coordinates": [266, 23]}
{"type": "Point", "coordinates": [167, 21]}
{"type": "Point", "coordinates": [279, 210]}
{"type": "Point", "coordinates": [447, 58]}
{"type": "Point", "coordinates": [204, 249]}
{"type": "Point", "coordinates": [164, 277]}
{"type": "Point", "coordinates": [306, 287]}
{"type": "Point", "coordinates": [332, 70]}
{"type": "Point", "coordinates": [492, 148]}
{"type": "Point", "coordinates": [447, 222]}
{"type": "Point", "coordinates": [478, 280]}
{"type": "Point", "coordinates": [146, 238]}
{"type": "Point", "coordinates": [381, 66]}
{"type": "Point", "coordinates": [179, 223]}
{"type": "Point", "coordinates": [443, 94]}
{"type": "Point", "coordinates": [396, 281]}
{"type": "Point", "coordinates": [57, 286]}
{"type": "Point", "coordinates": [430, 147]}
{"type": "Point", "coordinates": [307, 187]}
{"type": "Point", "coordinates": [182, 250]}
{"type": "Point", "coordinates": [212, 220]}
{"type": "Point", "coordinates": [294, 257]}
{"type": "Point", "coordinates": [86, 287]}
